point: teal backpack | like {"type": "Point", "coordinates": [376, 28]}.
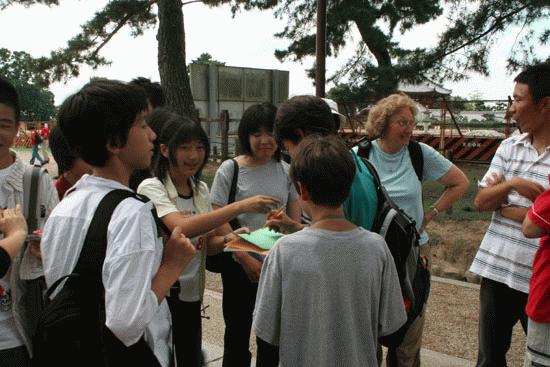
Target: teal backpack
{"type": "Point", "coordinates": [361, 205]}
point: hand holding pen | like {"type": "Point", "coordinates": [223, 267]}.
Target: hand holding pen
{"type": "Point", "coordinates": [279, 221]}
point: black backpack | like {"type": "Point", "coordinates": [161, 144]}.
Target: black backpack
{"type": "Point", "coordinates": [71, 329]}
{"type": "Point", "coordinates": [399, 231]}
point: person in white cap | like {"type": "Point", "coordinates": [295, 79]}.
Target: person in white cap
{"type": "Point", "coordinates": [339, 119]}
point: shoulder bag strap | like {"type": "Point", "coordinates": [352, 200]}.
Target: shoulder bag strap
{"type": "Point", "coordinates": [31, 185]}
{"type": "Point", "coordinates": [417, 159]}
{"type": "Point", "coordinates": [233, 192]}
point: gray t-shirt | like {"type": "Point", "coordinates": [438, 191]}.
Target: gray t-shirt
{"type": "Point", "coordinates": [269, 179]}
{"type": "Point", "coordinates": [325, 297]}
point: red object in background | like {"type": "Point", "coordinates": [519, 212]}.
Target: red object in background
{"type": "Point", "coordinates": [45, 133]}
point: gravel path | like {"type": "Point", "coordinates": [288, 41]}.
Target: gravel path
{"type": "Point", "coordinates": [451, 323]}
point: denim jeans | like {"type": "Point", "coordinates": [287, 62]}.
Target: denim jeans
{"type": "Point", "coordinates": [35, 155]}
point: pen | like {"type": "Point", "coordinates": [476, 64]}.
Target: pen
{"type": "Point", "coordinates": [277, 213]}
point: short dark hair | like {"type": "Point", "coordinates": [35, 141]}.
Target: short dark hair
{"type": "Point", "coordinates": [101, 113]}
{"type": "Point", "coordinates": [178, 130]}
{"type": "Point", "coordinates": [153, 90]}
{"type": "Point", "coordinates": [256, 118]}
{"type": "Point", "coordinates": [537, 78]}
{"type": "Point", "coordinates": [156, 121]}
{"type": "Point", "coordinates": [325, 167]}
{"type": "Point", "coordinates": [61, 151]}
{"type": "Point", "coordinates": [308, 114]}
{"type": "Point", "coordinates": [10, 97]}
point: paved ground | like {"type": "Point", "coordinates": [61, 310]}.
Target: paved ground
{"type": "Point", "coordinates": [450, 336]}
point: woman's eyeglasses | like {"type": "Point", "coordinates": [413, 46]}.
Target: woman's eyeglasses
{"type": "Point", "coordinates": [405, 123]}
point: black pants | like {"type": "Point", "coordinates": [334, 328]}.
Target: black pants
{"type": "Point", "coordinates": [500, 309]}
{"type": "Point", "coordinates": [15, 357]}
{"type": "Point", "coordinates": [186, 331]}
{"type": "Point", "coordinates": [239, 296]}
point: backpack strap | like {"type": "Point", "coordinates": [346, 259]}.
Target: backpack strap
{"type": "Point", "coordinates": [233, 192]}
{"type": "Point", "coordinates": [363, 148]}
{"type": "Point", "coordinates": [415, 152]}
{"type": "Point", "coordinates": [417, 159]}
{"type": "Point", "coordinates": [31, 185]}
{"type": "Point", "coordinates": [92, 255]}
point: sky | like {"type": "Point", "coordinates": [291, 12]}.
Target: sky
{"type": "Point", "coordinates": [245, 40]}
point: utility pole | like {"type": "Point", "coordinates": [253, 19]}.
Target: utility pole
{"type": "Point", "coordinates": [320, 48]}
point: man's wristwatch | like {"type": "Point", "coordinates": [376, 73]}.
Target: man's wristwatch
{"type": "Point", "coordinates": [435, 211]}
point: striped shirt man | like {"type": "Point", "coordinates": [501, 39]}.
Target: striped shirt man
{"type": "Point", "coordinates": [505, 255]}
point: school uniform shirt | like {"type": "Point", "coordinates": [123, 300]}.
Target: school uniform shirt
{"type": "Point", "coordinates": [14, 326]}
{"type": "Point", "coordinates": [133, 256]}
{"type": "Point", "coordinates": [400, 180]}
{"type": "Point", "coordinates": [325, 298]}
{"type": "Point", "coordinates": [166, 200]}
{"type": "Point", "coordinates": [538, 303]}
{"type": "Point", "coordinates": [505, 254]}
{"type": "Point", "coordinates": [9, 336]}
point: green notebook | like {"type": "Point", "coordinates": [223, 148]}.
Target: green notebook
{"type": "Point", "coordinates": [264, 238]}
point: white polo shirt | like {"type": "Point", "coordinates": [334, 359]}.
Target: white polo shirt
{"type": "Point", "coordinates": [134, 253]}
{"type": "Point", "coordinates": [505, 254]}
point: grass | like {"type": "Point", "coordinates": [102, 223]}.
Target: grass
{"type": "Point", "coordinates": [464, 208]}
{"type": "Point", "coordinates": [21, 149]}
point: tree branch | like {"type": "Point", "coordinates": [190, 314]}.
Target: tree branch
{"type": "Point", "coordinates": [190, 2]}
{"type": "Point", "coordinates": [351, 64]}
{"type": "Point", "coordinates": [497, 22]}
{"type": "Point", "coordinates": [121, 24]}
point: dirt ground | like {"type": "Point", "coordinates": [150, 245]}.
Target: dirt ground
{"type": "Point", "coordinates": [454, 245]}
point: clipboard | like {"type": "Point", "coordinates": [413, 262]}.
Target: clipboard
{"type": "Point", "coordinates": [259, 241]}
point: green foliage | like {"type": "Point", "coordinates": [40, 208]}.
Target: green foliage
{"type": "Point", "coordinates": [344, 93]}
{"type": "Point", "coordinates": [477, 25]}
{"type": "Point", "coordinates": [138, 15]}
{"type": "Point", "coordinates": [84, 48]}
{"type": "Point", "coordinates": [489, 117]}
{"type": "Point", "coordinates": [206, 58]}
{"type": "Point", "coordinates": [37, 102]}
{"type": "Point", "coordinates": [380, 61]}
{"type": "Point", "coordinates": [464, 208]}
{"type": "Point", "coordinates": [6, 3]}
